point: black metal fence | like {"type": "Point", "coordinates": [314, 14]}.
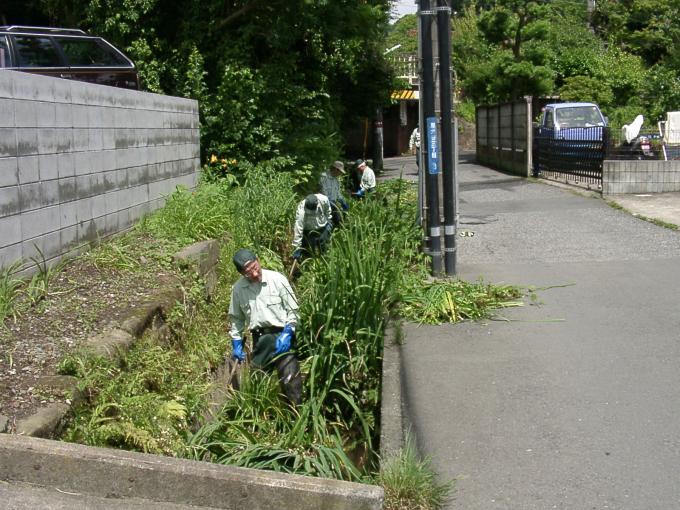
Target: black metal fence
{"type": "Point", "coordinates": [647, 144]}
{"type": "Point", "coordinates": [574, 153]}
{"type": "Point", "coordinates": [577, 153]}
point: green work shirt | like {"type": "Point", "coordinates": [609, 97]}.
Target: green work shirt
{"type": "Point", "coordinates": [269, 303]}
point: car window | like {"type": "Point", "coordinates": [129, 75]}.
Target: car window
{"type": "Point", "coordinates": [36, 52]}
{"type": "Point", "coordinates": [579, 116]}
{"type": "Point", "coordinates": [549, 119]}
{"type": "Point", "coordinates": [5, 57]}
{"type": "Point", "coordinates": [88, 52]}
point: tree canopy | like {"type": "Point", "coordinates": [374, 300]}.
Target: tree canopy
{"type": "Point", "coordinates": [274, 79]}
{"type": "Point", "coordinates": [624, 56]}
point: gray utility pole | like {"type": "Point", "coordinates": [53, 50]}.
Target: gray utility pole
{"type": "Point", "coordinates": [378, 139]}
{"type": "Point", "coordinates": [428, 137]}
{"type": "Point", "coordinates": [448, 162]}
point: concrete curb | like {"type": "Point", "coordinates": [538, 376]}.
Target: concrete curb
{"type": "Point", "coordinates": [392, 426]}
{"type": "Point", "coordinates": [120, 474]}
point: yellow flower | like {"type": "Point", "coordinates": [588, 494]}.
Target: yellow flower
{"type": "Point", "coordinates": [213, 159]}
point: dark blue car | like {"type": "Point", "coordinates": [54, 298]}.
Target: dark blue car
{"type": "Point", "coordinates": [570, 137]}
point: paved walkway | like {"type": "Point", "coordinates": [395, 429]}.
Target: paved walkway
{"type": "Point", "coordinates": [572, 401]}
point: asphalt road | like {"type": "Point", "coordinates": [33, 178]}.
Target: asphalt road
{"type": "Point", "coordinates": [573, 400]}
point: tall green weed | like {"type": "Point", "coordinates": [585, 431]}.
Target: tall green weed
{"type": "Point", "coordinates": [9, 290]}
{"type": "Point", "coordinates": [190, 216]}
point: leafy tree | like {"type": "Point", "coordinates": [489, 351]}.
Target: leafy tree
{"type": "Point", "coordinates": [586, 88]}
{"type": "Point", "coordinates": [660, 92]}
{"type": "Point", "coordinates": [273, 78]}
{"type": "Point", "coordinates": [405, 33]}
{"type": "Point", "coordinates": [647, 28]}
{"type": "Point", "coordinates": [503, 56]}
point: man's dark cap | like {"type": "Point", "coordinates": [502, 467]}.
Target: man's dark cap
{"type": "Point", "coordinates": [360, 162]}
{"type": "Point", "coordinates": [242, 257]}
{"type": "Point", "coordinates": [311, 202]}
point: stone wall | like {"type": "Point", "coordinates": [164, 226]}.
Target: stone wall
{"type": "Point", "coordinates": [640, 177]}
{"type": "Point", "coordinates": [79, 161]}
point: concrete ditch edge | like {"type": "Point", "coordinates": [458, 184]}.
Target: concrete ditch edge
{"type": "Point", "coordinates": [121, 474]}
{"type": "Point", "coordinates": [392, 426]}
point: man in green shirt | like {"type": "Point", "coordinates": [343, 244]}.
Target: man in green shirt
{"type": "Point", "coordinates": [263, 303]}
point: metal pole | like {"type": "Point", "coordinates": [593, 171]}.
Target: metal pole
{"type": "Point", "coordinates": [422, 210]}
{"type": "Point", "coordinates": [448, 168]}
{"type": "Point", "coordinates": [378, 140]}
{"type": "Point", "coordinates": [429, 137]}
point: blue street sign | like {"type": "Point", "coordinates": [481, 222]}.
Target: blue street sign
{"type": "Point", "coordinates": [432, 146]}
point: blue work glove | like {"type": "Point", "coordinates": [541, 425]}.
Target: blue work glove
{"type": "Point", "coordinates": [284, 338]}
{"type": "Point", "coordinates": [343, 204]}
{"type": "Point", "coordinates": [360, 193]}
{"type": "Point", "coordinates": [237, 349]}
{"type": "Point", "coordinates": [297, 254]}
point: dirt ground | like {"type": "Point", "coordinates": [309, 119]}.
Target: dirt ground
{"type": "Point", "coordinates": [83, 299]}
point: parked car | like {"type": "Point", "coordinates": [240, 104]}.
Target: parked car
{"type": "Point", "coordinates": [65, 53]}
{"type": "Point", "coordinates": [570, 137]}
{"type": "Point", "coordinates": [572, 121]}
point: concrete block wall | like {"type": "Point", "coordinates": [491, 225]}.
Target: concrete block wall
{"type": "Point", "coordinates": [80, 161]}
{"type": "Point", "coordinates": [503, 136]}
{"type": "Point", "coordinates": [620, 177]}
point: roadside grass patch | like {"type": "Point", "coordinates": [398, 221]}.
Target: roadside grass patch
{"type": "Point", "coordinates": [410, 483]}
{"type": "Point", "coordinates": [659, 223]}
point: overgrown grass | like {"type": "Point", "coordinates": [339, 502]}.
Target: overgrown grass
{"type": "Point", "coordinates": [147, 402]}
{"type": "Point", "coordinates": [20, 294]}
{"type": "Point", "coordinates": [372, 268]}
{"type": "Point", "coordinates": [38, 286]}
{"type": "Point", "coordinates": [345, 297]}
{"type": "Point", "coordinates": [410, 483]}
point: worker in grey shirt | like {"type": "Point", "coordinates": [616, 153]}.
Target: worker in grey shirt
{"type": "Point", "coordinates": [263, 303]}
{"type": "Point", "coordinates": [329, 185]}
{"type": "Point", "coordinates": [313, 225]}
{"type": "Point", "coordinates": [367, 184]}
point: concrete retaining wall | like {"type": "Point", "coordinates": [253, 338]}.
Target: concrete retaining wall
{"type": "Point", "coordinates": [504, 136]}
{"type": "Point", "coordinates": [80, 161]}
{"type": "Point", "coordinates": [620, 177]}
{"type": "Point", "coordinates": [120, 475]}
